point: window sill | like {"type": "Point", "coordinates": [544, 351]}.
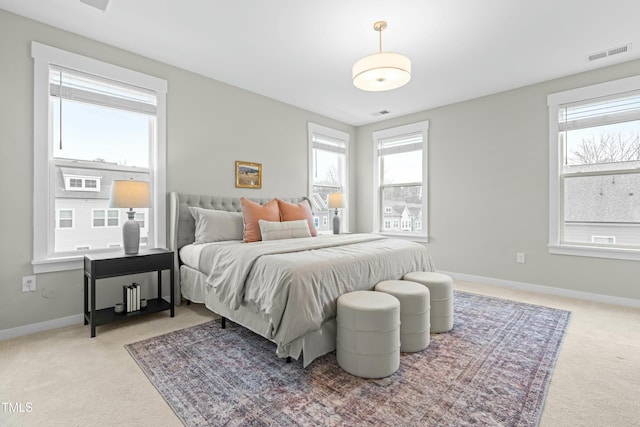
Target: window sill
{"type": "Point", "coordinates": [57, 264]}
{"type": "Point", "coordinates": [420, 238]}
{"type": "Point", "coordinates": [595, 252]}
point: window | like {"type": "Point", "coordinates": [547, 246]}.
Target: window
{"type": "Point", "coordinates": [139, 216]}
{"type": "Point", "coordinates": [106, 218]}
{"type": "Point", "coordinates": [401, 180]}
{"type": "Point", "coordinates": [328, 172]}
{"type": "Point", "coordinates": [77, 183]}
{"type": "Point", "coordinates": [594, 140]}
{"type": "Point", "coordinates": [93, 123]}
{"type": "Point", "coordinates": [65, 218]}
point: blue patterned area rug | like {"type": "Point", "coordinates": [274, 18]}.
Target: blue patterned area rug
{"type": "Point", "coordinates": [492, 368]}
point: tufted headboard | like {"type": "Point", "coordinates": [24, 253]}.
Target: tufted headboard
{"type": "Point", "coordinates": [182, 226]}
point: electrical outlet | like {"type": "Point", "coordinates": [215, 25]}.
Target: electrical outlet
{"type": "Point", "coordinates": [520, 258]}
{"type": "Point", "coordinates": [29, 284]}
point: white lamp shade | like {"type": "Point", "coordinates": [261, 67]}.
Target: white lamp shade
{"type": "Point", "coordinates": [382, 71]}
{"type": "Point", "coordinates": [130, 194]}
{"type": "Point", "coordinates": [336, 201]}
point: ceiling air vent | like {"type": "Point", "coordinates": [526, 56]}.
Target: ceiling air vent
{"type": "Point", "coordinates": [381, 113]}
{"type": "Point", "coordinates": [98, 4]}
{"type": "Point", "coordinates": [609, 52]}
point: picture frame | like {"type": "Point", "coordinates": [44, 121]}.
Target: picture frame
{"type": "Point", "coordinates": [248, 174]}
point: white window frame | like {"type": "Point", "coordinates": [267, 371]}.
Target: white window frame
{"type": "Point", "coordinates": [106, 218]}
{"type": "Point", "coordinates": [316, 129]}
{"type": "Point", "coordinates": [83, 179]}
{"type": "Point", "coordinates": [73, 219]}
{"type": "Point", "coordinates": [44, 56]}
{"type": "Point", "coordinates": [556, 215]}
{"type": "Point", "coordinates": [377, 136]}
{"type": "Point", "coordinates": [142, 222]}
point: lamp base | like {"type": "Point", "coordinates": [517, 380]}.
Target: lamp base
{"type": "Point", "coordinates": [131, 235]}
{"type": "Point", "coordinates": [336, 223]}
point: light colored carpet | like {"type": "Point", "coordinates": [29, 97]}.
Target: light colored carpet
{"type": "Point", "coordinates": [72, 380]}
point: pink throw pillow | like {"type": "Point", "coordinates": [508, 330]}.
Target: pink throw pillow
{"type": "Point", "coordinates": [252, 212]}
{"type": "Point", "coordinates": [296, 211]}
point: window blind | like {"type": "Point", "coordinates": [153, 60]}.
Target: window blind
{"type": "Point", "coordinates": [323, 142]}
{"type": "Point", "coordinates": [78, 86]}
{"type": "Point", "coordinates": [617, 108]}
{"type": "Point", "coordinates": [400, 144]}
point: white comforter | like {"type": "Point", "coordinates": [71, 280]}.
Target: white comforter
{"type": "Point", "coordinates": [295, 283]}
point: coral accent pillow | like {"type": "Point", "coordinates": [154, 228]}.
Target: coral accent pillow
{"type": "Point", "coordinates": [295, 211]}
{"type": "Point", "coordinates": [252, 212]}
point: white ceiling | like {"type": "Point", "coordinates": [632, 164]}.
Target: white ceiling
{"type": "Point", "coordinates": [301, 52]}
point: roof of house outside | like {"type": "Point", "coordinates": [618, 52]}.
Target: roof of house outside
{"type": "Point", "coordinates": [611, 198]}
{"type": "Point", "coordinates": [106, 179]}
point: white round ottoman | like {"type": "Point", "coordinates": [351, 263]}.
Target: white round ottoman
{"type": "Point", "coordinates": [368, 337]}
{"type": "Point", "coordinates": [414, 312]}
{"type": "Point", "coordinates": [441, 291]}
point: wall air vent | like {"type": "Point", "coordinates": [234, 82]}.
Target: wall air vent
{"type": "Point", "coordinates": [609, 52]}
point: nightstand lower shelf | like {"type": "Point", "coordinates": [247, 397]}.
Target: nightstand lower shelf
{"type": "Point", "coordinates": [108, 315]}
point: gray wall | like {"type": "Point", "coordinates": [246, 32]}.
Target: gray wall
{"type": "Point", "coordinates": [487, 158]}
{"type": "Point", "coordinates": [210, 125]}
{"type": "Point", "coordinates": [488, 190]}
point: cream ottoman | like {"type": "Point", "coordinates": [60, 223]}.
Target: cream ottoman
{"type": "Point", "coordinates": [414, 312]}
{"type": "Point", "coordinates": [368, 336]}
{"type": "Point", "coordinates": [441, 291]}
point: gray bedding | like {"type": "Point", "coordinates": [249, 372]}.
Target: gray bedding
{"type": "Point", "coordinates": [295, 283]}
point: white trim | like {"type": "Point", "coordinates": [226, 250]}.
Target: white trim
{"type": "Point", "coordinates": [595, 252]}
{"type": "Point", "coordinates": [548, 290]}
{"type": "Point", "coordinates": [314, 128]}
{"type": "Point", "coordinates": [57, 264]}
{"type": "Point", "coordinates": [43, 206]}
{"type": "Point", "coordinates": [19, 331]}
{"type": "Point", "coordinates": [422, 127]}
{"type": "Point", "coordinates": [554, 100]}
{"type": "Point", "coordinates": [414, 237]}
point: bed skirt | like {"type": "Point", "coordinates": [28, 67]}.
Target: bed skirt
{"type": "Point", "coordinates": [311, 346]}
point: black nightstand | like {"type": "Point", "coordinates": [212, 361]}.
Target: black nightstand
{"type": "Point", "coordinates": [114, 264]}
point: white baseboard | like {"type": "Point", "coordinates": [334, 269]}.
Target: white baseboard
{"type": "Point", "coordinates": [606, 299]}
{"type": "Point", "coordinates": [19, 331]}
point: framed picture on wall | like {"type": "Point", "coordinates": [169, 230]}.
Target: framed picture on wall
{"type": "Point", "coordinates": [248, 175]}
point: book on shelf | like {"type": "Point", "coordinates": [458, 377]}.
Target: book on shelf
{"type": "Point", "coordinates": [131, 297]}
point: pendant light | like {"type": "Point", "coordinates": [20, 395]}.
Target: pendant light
{"type": "Point", "coordinates": [382, 70]}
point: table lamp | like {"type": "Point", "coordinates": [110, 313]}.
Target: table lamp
{"type": "Point", "coordinates": [130, 194]}
{"type": "Point", "coordinates": [336, 201]}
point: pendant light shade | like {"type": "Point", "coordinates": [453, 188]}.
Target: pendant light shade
{"type": "Point", "coordinates": [383, 70]}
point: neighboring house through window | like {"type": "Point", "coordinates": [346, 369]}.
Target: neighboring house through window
{"type": "Point", "coordinates": [400, 167]}
{"type": "Point", "coordinates": [328, 173]}
{"type": "Point", "coordinates": [93, 123]}
{"type": "Point", "coordinates": [594, 141]}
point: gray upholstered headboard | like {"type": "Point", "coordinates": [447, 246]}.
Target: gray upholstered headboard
{"type": "Point", "coordinates": [182, 226]}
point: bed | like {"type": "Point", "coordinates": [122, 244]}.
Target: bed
{"type": "Point", "coordinates": [284, 290]}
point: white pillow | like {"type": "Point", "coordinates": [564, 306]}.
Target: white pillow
{"type": "Point", "coordinates": [216, 226]}
{"type": "Point", "coordinates": [272, 230]}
